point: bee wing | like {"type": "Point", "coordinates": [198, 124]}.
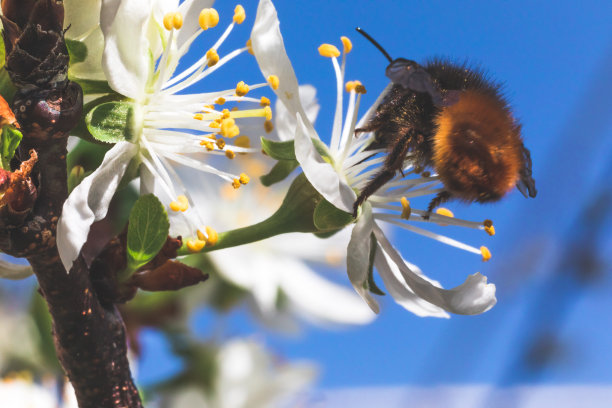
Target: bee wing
{"type": "Point", "coordinates": [412, 76]}
{"type": "Point", "coordinates": [526, 184]}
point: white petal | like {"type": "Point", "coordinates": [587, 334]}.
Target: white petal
{"type": "Point", "coordinates": [320, 300]}
{"type": "Point", "coordinates": [358, 256]}
{"type": "Point", "coordinates": [190, 11]}
{"type": "Point", "coordinates": [320, 173]}
{"type": "Point", "coordinates": [401, 293]}
{"type": "Point", "coordinates": [89, 201]}
{"type": "Point", "coordinates": [9, 270]}
{"type": "Point", "coordinates": [284, 121]}
{"type": "Point", "coordinates": [269, 49]}
{"type": "Point", "coordinates": [126, 59]}
{"type": "Point", "coordinates": [474, 296]}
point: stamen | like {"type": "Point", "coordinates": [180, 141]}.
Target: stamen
{"type": "Point", "coordinates": [201, 235]}
{"type": "Point", "coordinates": [231, 155]}
{"type": "Point", "coordinates": [264, 101]}
{"type": "Point", "coordinates": [268, 126]}
{"type": "Point", "coordinates": [328, 50]}
{"type": "Point", "coordinates": [236, 184]}
{"type": "Point", "coordinates": [273, 81]}
{"type": "Point", "coordinates": [209, 145]}
{"type": "Point", "coordinates": [181, 204]}
{"type": "Point", "coordinates": [445, 211]}
{"type": "Point", "coordinates": [229, 128]}
{"type": "Point", "coordinates": [225, 113]}
{"type": "Point", "coordinates": [220, 100]}
{"type": "Point", "coordinates": [406, 210]}
{"type": "Point", "coordinates": [488, 227]}
{"type": "Point", "coordinates": [268, 113]}
{"type": "Point", "coordinates": [213, 237]}
{"type": "Point", "coordinates": [352, 86]}
{"type": "Point", "coordinates": [212, 57]}
{"type": "Point", "coordinates": [177, 21]}
{"type": "Point", "coordinates": [249, 46]}
{"type": "Point", "coordinates": [360, 89]}
{"type": "Point", "coordinates": [243, 141]}
{"type": "Point", "coordinates": [486, 254]}
{"type": "Point", "coordinates": [242, 88]}
{"type": "Point", "coordinates": [195, 245]}
{"type": "Point", "coordinates": [169, 21]}
{"type": "Point", "coordinates": [214, 124]}
{"type": "Point", "coordinates": [209, 18]}
{"type": "Point", "coordinates": [346, 44]}
{"type": "Point", "coordinates": [220, 143]}
{"type": "Point", "coordinates": [198, 116]}
{"type": "Point", "coordinates": [239, 14]}
{"type": "Point", "coordinates": [244, 179]}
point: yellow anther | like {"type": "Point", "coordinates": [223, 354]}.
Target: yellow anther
{"type": "Point", "coordinates": [242, 89]}
{"type": "Point", "coordinates": [234, 109]}
{"type": "Point", "coordinates": [220, 100]}
{"type": "Point", "coordinates": [360, 89]}
{"type": "Point", "coordinates": [208, 144]}
{"type": "Point", "coordinates": [273, 81]}
{"type": "Point", "coordinates": [208, 107]}
{"type": "Point", "coordinates": [215, 124]}
{"type": "Point", "coordinates": [328, 50]}
{"type": "Point", "coordinates": [488, 227]}
{"type": "Point", "coordinates": [181, 204]}
{"type": "Point", "coordinates": [236, 184]}
{"type": "Point", "coordinates": [351, 85]}
{"type": "Point", "coordinates": [220, 143]}
{"type": "Point", "coordinates": [213, 237]}
{"type": "Point", "coordinates": [264, 101]}
{"type": "Point", "coordinates": [225, 113]}
{"type": "Point", "coordinates": [347, 45]}
{"type": "Point", "coordinates": [198, 116]}
{"type": "Point", "coordinates": [230, 155]}
{"type": "Point", "coordinates": [242, 141]}
{"type": "Point", "coordinates": [445, 211]}
{"type": "Point", "coordinates": [268, 113]}
{"type": "Point", "coordinates": [195, 245]}
{"type": "Point", "coordinates": [239, 14]}
{"type": "Point", "coordinates": [169, 21]}
{"type": "Point", "coordinates": [229, 128]}
{"type": "Point", "coordinates": [244, 179]}
{"type": "Point", "coordinates": [209, 18]}
{"type": "Point", "coordinates": [177, 20]}
{"type": "Point", "coordinates": [406, 210]}
{"type": "Point", "coordinates": [201, 235]}
{"type": "Point", "coordinates": [212, 57]}
{"type": "Point", "coordinates": [268, 126]}
{"type": "Point", "coordinates": [486, 254]}
{"type": "Point", "coordinates": [249, 46]}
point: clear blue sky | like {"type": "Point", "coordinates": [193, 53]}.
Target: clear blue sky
{"type": "Point", "coordinates": [555, 58]}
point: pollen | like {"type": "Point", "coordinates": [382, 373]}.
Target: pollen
{"type": "Point", "coordinates": [406, 210]}
{"type": "Point", "coordinates": [249, 46]}
{"type": "Point", "coordinates": [239, 14]}
{"type": "Point", "coordinates": [445, 212]}
{"type": "Point", "coordinates": [352, 86]}
{"type": "Point", "coordinates": [230, 155]}
{"type": "Point", "coordinates": [242, 89]}
{"type": "Point", "coordinates": [486, 254]}
{"type": "Point", "coordinates": [268, 126]}
{"type": "Point", "coordinates": [220, 143]}
{"type": "Point", "coordinates": [208, 144]}
{"type": "Point", "coordinates": [213, 237]}
{"type": "Point", "coordinates": [264, 101]}
{"type": "Point", "coordinates": [195, 245]}
{"type": "Point", "coordinates": [229, 128]}
{"type": "Point", "coordinates": [236, 183]}
{"type": "Point", "coordinates": [244, 179]}
{"type": "Point", "coordinates": [243, 141]}
{"type": "Point", "coordinates": [273, 81]}
{"type": "Point", "coordinates": [220, 100]}
{"type": "Point", "coordinates": [209, 18]}
{"type": "Point", "coordinates": [181, 204]}
{"type": "Point", "coordinates": [268, 113]}
{"type": "Point", "coordinates": [212, 57]}
{"type": "Point", "coordinates": [347, 45]}
{"type": "Point", "coordinates": [488, 227]}
{"type": "Point", "coordinates": [328, 50]}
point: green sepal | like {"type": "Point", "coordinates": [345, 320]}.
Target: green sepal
{"type": "Point", "coordinates": [147, 232]}
{"type": "Point", "coordinates": [77, 50]}
{"type": "Point", "coordinates": [371, 284]}
{"type": "Point", "coordinates": [279, 172]}
{"type": "Point", "coordinates": [327, 217]}
{"type": "Point", "coordinates": [7, 89]}
{"type": "Point", "coordinates": [75, 176]}
{"type": "Point", "coordinates": [80, 130]}
{"type": "Point", "coordinates": [113, 122]}
{"type": "Point", "coordinates": [93, 86]}
{"type": "Point", "coordinates": [278, 150]}
{"type": "Point", "coordinates": [9, 140]}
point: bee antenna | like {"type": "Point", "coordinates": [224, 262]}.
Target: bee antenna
{"type": "Point", "coordinates": [373, 41]}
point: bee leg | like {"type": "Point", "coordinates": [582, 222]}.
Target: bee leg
{"type": "Point", "coordinates": [377, 182]}
{"type": "Point", "coordinates": [442, 197]}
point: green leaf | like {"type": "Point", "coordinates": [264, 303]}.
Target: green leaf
{"type": "Point", "coordinates": [9, 140]}
{"type": "Point", "coordinates": [7, 89]}
{"type": "Point", "coordinates": [77, 51]}
{"type": "Point", "coordinates": [92, 86]}
{"type": "Point", "coordinates": [278, 150]}
{"type": "Point", "coordinates": [147, 231]}
{"type": "Point", "coordinates": [371, 284]}
{"type": "Point", "coordinates": [327, 217]}
{"type": "Point", "coordinates": [113, 122]}
{"type": "Point", "coordinates": [279, 172]}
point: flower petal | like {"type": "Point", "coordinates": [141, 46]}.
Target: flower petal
{"type": "Point", "coordinates": [126, 60]}
{"type": "Point", "coordinates": [13, 271]}
{"type": "Point", "coordinates": [269, 49]}
{"type": "Point", "coordinates": [401, 293]}
{"type": "Point", "coordinates": [474, 296]}
{"type": "Point", "coordinates": [284, 121]}
{"type": "Point", "coordinates": [89, 201]}
{"type": "Point", "coordinates": [319, 172]}
{"type": "Point", "coordinates": [358, 256]}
